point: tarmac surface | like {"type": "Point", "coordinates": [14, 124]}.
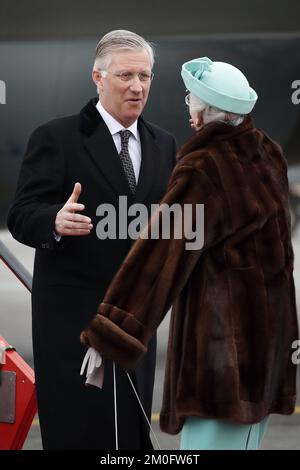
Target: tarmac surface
{"type": "Point", "coordinates": [15, 325]}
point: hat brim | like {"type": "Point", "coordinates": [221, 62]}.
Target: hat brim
{"type": "Point", "coordinates": [219, 100]}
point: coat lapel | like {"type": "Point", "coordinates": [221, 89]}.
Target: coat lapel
{"type": "Point", "coordinates": [100, 145]}
{"type": "Point", "coordinates": [150, 154]}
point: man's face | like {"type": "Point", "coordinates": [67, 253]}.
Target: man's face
{"type": "Point", "coordinates": [125, 100]}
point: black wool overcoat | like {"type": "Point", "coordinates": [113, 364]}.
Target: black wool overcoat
{"type": "Point", "coordinates": [71, 276]}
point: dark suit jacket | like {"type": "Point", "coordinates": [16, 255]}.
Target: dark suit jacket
{"type": "Point", "coordinates": [71, 276]}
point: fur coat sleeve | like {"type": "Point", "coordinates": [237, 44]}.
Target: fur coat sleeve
{"type": "Point", "coordinates": [154, 273]}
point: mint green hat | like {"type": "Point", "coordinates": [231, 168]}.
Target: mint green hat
{"type": "Point", "coordinates": [219, 84]}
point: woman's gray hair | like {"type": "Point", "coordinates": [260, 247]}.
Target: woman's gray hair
{"type": "Point", "coordinates": [212, 114]}
{"type": "Point", "coordinates": [114, 41]}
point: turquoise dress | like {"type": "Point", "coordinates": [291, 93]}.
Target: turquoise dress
{"type": "Point", "coordinates": [217, 434]}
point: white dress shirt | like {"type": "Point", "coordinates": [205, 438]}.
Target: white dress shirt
{"type": "Point", "coordinates": [134, 144]}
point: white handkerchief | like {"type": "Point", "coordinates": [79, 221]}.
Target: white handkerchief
{"type": "Point", "coordinates": [95, 368]}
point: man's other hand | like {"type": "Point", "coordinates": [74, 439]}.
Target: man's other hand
{"type": "Point", "coordinates": [67, 222]}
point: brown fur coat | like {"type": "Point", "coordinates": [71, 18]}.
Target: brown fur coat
{"type": "Point", "coordinates": [234, 314]}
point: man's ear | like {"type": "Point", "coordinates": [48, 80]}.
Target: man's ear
{"type": "Point", "coordinates": [97, 79]}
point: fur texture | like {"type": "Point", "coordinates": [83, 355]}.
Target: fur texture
{"type": "Point", "coordinates": [234, 313]}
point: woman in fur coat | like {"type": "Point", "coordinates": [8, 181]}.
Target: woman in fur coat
{"type": "Point", "coordinates": [234, 317]}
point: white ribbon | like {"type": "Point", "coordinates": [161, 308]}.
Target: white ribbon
{"type": "Point", "coordinates": [94, 364]}
{"type": "Point", "coordinates": [95, 368]}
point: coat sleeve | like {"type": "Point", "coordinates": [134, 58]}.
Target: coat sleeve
{"type": "Point", "coordinates": [153, 274]}
{"type": "Point", "coordinates": [38, 196]}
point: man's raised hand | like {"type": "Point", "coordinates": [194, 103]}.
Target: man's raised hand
{"type": "Point", "coordinates": [67, 222]}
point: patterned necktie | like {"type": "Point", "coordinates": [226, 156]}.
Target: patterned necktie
{"type": "Point", "coordinates": [126, 160]}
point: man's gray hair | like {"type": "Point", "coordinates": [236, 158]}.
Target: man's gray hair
{"type": "Point", "coordinates": [117, 40]}
{"type": "Point", "coordinates": [212, 114]}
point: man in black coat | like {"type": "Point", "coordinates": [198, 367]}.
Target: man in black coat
{"type": "Point", "coordinates": [71, 167]}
